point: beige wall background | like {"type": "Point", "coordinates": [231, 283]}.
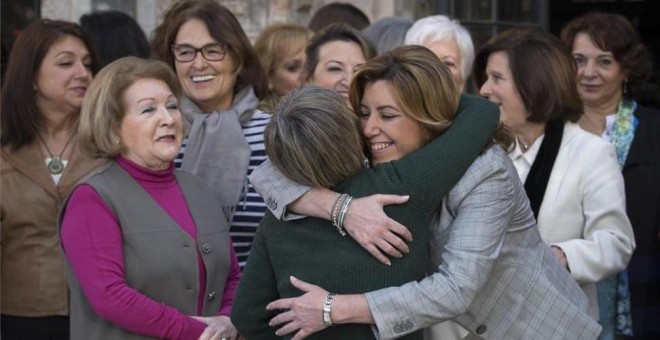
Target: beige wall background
{"type": "Point", "coordinates": [254, 15]}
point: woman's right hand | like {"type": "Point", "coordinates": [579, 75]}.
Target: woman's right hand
{"type": "Point", "coordinates": [211, 333]}
{"type": "Point", "coordinates": [217, 328]}
{"type": "Point", "coordinates": [380, 235]}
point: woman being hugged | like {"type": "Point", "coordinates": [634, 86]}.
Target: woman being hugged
{"type": "Point", "coordinates": [50, 68]}
{"type": "Point", "coordinates": [490, 262]}
{"type": "Point", "coordinates": [149, 253]}
{"type": "Point", "coordinates": [314, 139]}
{"type": "Point", "coordinates": [222, 82]}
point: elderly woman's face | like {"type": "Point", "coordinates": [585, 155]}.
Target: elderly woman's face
{"type": "Point", "coordinates": [63, 76]}
{"type": "Point", "coordinates": [151, 130]}
{"type": "Point", "coordinates": [448, 52]}
{"type": "Point", "coordinates": [208, 83]}
{"type": "Point", "coordinates": [599, 77]}
{"type": "Point", "coordinates": [337, 62]}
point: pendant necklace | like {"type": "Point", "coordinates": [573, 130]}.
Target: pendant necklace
{"type": "Point", "coordinates": [55, 165]}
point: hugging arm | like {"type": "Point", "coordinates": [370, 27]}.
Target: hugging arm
{"type": "Point", "coordinates": [368, 224]}
{"type": "Point", "coordinates": [476, 217]}
{"type": "Point", "coordinates": [481, 208]}
{"type": "Point", "coordinates": [473, 127]}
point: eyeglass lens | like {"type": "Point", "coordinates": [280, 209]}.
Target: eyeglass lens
{"type": "Point", "coordinates": [211, 52]}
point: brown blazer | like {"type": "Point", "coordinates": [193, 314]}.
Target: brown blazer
{"type": "Point", "coordinates": [32, 280]}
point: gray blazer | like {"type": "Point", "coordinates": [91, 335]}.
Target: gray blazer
{"type": "Point", "coordinates": [494, 275]}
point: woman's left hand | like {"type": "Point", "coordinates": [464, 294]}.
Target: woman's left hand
{"type": "Point", "coordinates": [376, 232]}
{"type": "Point", "coordinates": [304, 314]}
{"type": "Point", "coordinates": [560, 255]}
{"type": "Point", "coordinates": [221, 323]}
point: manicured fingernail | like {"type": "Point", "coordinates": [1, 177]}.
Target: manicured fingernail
{"type": "Point", "coordinates": [388, 263]}
{"type": "Point", "coordinates": [292, 278]}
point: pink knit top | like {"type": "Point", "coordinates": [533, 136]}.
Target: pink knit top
{"type": "Point", "coordinates": [92, 241]}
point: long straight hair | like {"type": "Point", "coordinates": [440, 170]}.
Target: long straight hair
{"type": "Point", "coordinates": [20, 118]}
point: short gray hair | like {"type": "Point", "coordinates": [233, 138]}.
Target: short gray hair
{"type": "Point", "coordinates": [441, 28]}
{"type": "Point", "coordinates": [313, 137]}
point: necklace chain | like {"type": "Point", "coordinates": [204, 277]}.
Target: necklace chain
{"type": "Point", "coordinates": [55, 165]}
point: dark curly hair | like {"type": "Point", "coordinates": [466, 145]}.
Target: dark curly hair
{"type": "Point", "coordinates": [614, 33]}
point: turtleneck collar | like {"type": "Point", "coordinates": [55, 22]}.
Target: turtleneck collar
{"type": "Point", "coordinates": [145, 175]}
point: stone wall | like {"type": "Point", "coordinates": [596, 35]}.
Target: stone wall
{"type": "Point", "coordinates": [253, 14]}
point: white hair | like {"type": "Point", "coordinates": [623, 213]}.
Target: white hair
{"type": "Point", "coordinates": [441, 28]}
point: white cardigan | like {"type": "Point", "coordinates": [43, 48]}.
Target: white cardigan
{"type": "Point", "coordinates": [584, 210]}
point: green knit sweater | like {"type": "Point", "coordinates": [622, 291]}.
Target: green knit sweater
{"type": "Point", "coordinates": [312, 250]}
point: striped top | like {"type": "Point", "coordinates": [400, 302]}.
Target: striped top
{"type": "Point", "coordinates": [251, 207]}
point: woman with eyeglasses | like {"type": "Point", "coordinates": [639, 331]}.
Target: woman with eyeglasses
{"type": "Point", "coordinates": [222, 81]}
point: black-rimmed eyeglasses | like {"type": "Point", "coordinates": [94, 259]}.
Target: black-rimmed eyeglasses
{"type": "Point", "coordinates": [186, 53]}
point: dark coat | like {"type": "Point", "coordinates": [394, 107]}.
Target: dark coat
{"type": "Point", "coordinates": [641, 174]}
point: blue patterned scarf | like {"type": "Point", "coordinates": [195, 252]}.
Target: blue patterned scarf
{"type": "Point", "coordinates": [623, 129]}
{"type": "Point", "coordinates": [613, 292]}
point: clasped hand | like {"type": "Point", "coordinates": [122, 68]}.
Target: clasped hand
{"type": "Point", "coordinates": [217, 328]}
{"type": "Point", "coordinates": [380, 235]}
{"type": "Point", "coordinates": [303, 314]}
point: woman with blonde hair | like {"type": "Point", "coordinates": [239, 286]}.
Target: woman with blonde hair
{"type": "Point", "coordinates": [148, 251]}
{"type": "Point", "coordinates": [281, 50]}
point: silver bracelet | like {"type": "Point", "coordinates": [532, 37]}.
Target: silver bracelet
{"type": "Point", "coordinates": [342, 215]}
{"type": "Point", "coordinates": [334, 214]}
{"type": "Point", "coordinates": [338, 211]}
{"type": "Point", "coordinates": [327, 307]}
